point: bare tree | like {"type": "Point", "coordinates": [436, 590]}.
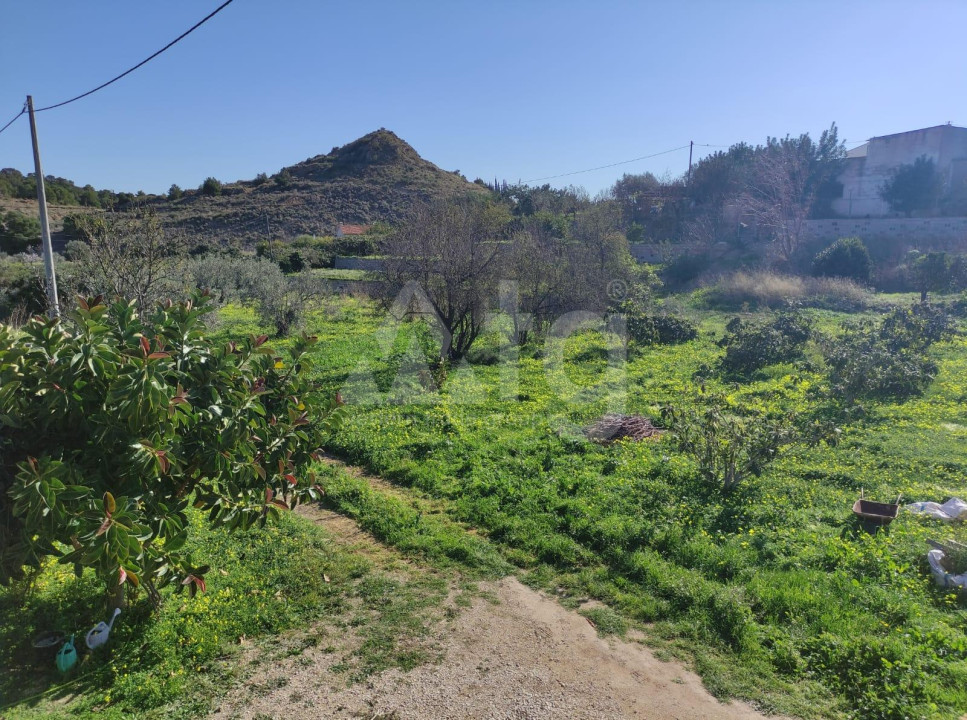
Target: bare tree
{"type": "Point", "coordinates": [452, 251]}
{"type": "Point", "coordinates": [789, 180]}
{"type": "Point", "coordinates": [777, 196]}
{"type": "Point", "coordinates": [130, 255]}
{"type": "Point", "coordinates": [539, 263]}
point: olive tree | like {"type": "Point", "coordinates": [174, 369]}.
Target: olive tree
{"type": "Point", "coordinates": [452, 252]}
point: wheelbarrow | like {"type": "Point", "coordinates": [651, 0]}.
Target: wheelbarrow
{"type": "Point", "coordinates": [876, 513]}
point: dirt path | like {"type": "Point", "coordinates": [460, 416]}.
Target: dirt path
{"type": "Point", "coordinates": [527, 657]}
{"type": "Point", "coordinates": [519, 657]}
{"type": "Point", "coordinates": [513, 654]}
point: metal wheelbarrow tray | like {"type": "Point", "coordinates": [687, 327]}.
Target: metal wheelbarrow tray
{"type": "Point", "coordinates": [876, 512]}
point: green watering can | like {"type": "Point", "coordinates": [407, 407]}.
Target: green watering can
{"type": "Point", "coordinates": [66, 656]}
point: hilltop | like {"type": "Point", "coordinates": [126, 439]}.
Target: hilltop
{"type": "Point", "coordinates": [377, 177]}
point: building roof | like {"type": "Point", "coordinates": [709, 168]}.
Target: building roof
{"type": "Point", "coordinates": [859, 151]}
{"type": "Point", "coordinates": [907, 132]}
{"type": "Point", "coordinates": [352, 229]}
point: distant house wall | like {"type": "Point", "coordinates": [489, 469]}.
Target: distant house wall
{"type": "Point", "coordinates": [358, 263]}
{"type": "Point", "coordinates": [868, 167]}
{"type": "Point", "coordinates": [942, 233]}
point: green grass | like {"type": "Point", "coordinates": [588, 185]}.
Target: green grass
{"type": "Point", "coordinates": [773, 591]}
{"type": "Point", "coordinates": [284, 588]}
{"type": "Point", "coordinates": [343, 274]}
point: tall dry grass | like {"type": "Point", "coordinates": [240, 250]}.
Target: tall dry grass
{"type": "Point", "coordinates": [766, 288]}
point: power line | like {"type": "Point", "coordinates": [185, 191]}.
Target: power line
{"type": "Point", "coordinates": [603, 167]}
{"type": "Point", "coordinates": [22, 110]}
{"type": "Point", "coordinates": [143, 62]}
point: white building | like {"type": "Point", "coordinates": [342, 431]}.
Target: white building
{"type": "Point", "coordinates": [871, 164]}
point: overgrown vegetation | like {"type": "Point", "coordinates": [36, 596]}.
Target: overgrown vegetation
{"type": "Point", "coordinates": [753, 346]}
{"type": "Point", "coordinates": [114, 425]}
{"type": "Point", "coordinates": [778, 593]}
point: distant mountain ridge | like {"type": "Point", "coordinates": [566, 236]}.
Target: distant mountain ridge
{"type": "Point", "coordinates": [378, 177]}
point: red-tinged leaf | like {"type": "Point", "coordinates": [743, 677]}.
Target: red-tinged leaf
{"type": "Point", "coordinates": [158, 355]}
{"type": "Point", "coordinates": [164, 462]}
{"type": "Point", "coordinates": [83, 303]}
{"type": "Point", "coordinates": [260, 340]}
{"type": "Point", "coordinates": [104, 526]}
{"type": "Point", "coordinates": [32, 461]}
{"type": "Point", "coordinates": [292, 479]}
{"type": "Point", "coordinates": [145, 346]}
{"type": "Point", "coordinates": [260, 471]}
{"type": "Point", "coordinates": [273, 421]}
{"type": "Point", "coordinates": [280, 504]}
{"type": "Point", "coordinates": [122, 575]}
{"type": "Point", "coordinates": [281, 466]}
{"type": "Point", "coordinates": [133, 579]}
{"type": "Point", "coordinates": [198, 582]}
{"type": "Point", "coordinates": [268, 494]}
{"type": "Point", "coordinates": [110, 506]}
{"type": "Point", "coordinates": [339, 400]}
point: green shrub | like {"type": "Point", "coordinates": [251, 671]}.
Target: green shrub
{"type": "Point", "coordinates": [728, 441]}
{"type": "Point", "coordinates": [655, 329]}
{"type": "Point", "coordinates": [888, 361]}
{"type": "Point", "coordinates": [211, 187]}
{"type": "Point", "coordinates": [847, 258]}
{"type": "Point", "coordinates": [21, 289]}
{"type": "Point", "coordinates": [18, 232]}
{"type": "Point", "coordinates": [683, 269]}
{"type": "Point", "coordinates": [750, 347]}
{"type": "Point", "coordinates": [114, 425]}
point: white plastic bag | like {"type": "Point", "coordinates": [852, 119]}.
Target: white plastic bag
{"type": "Point", "coordinates": [953, 509]}
{"type": "Point", "coordinates": [944, 578]}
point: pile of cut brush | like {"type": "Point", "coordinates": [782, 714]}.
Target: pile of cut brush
{"type": "Point", "coordinates": [611, 428]}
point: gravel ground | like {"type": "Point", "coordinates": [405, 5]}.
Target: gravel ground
{"type": "Point", "coordinates": [521, 658]}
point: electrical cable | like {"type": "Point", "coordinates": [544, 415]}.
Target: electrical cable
{"type": "Point", "coordinates": [603, 167]}
{"type": "Point", "coordinates": [143, 62]}
{"type": "Point", "coordinates": [22, 111]}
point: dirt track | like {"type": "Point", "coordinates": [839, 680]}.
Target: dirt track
{"type": "Point", "coordinates": [514, 654]}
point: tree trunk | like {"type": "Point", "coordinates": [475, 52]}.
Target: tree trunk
{"type": "Point", "coordinates": [116, 598]}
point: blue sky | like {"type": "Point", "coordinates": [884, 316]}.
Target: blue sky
{"type": "Point", "coordinates": [517, 90]}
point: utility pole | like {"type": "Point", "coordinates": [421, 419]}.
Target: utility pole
{"type": "Point", "coordinates": [691, 145]}
{"type": "Point", "coordinates": [54, 309]}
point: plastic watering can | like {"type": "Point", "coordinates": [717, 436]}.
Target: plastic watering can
{"type": "Point", "coordinates": [98, 634]}
{"type": "Point", "coordinates": [66, 656]}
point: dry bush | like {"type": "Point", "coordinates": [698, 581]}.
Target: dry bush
{"type": "Point", "coordinates": [764, 288]}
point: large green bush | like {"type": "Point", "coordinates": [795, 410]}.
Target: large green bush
{"type": "Point", "coordinates": [18, 232]}
{"type": "Point", "coordinates": [112, 425]}
{"type": "Point", "coordinates": [887, 361]}
{"type": "Point", "coordinates": [751, 346]}
{"type": "Point", "coordinates": [847, 258]}
{"type": "Point", "coordinates": [655, 328]}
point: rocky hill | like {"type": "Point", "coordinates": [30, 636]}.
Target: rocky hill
{"type": "Point", "coordinates": [378, 177]}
